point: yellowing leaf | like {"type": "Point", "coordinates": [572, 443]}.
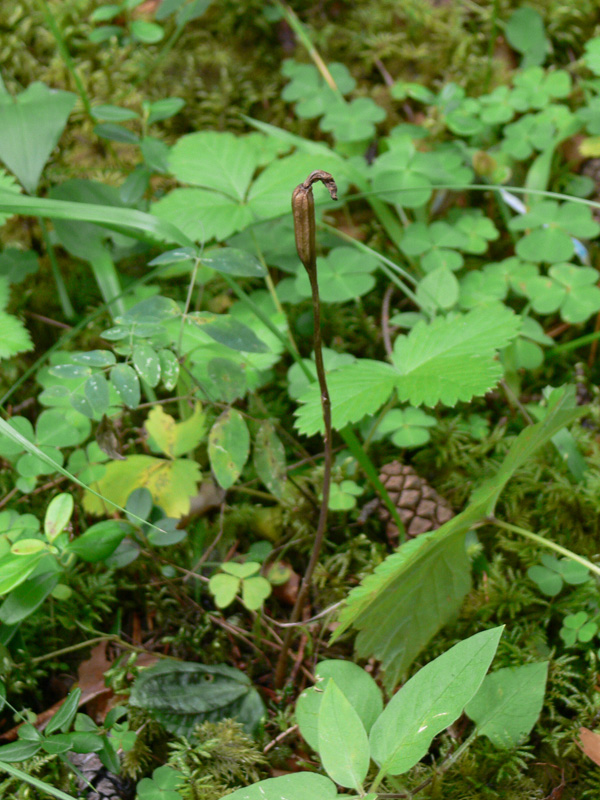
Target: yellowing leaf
{"type": "Point", "coordinates": [176, 438]}
{"type": "Point", "coordinates": [171, 484]}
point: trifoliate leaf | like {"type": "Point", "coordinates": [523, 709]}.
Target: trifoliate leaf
{"type": "Point", "coordinates": [344, 274]}
{"type": "Point", "coordinates": [354, 121]}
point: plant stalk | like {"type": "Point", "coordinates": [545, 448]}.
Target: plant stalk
{"type": "Point", "coordinates": [303, 208]}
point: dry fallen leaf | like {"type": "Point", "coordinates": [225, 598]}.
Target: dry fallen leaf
{"type": "Point", "coordinates": [589, 742]}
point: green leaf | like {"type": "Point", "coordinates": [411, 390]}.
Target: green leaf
{"type": "Point", "coordinates": [146, 32]}
{"type": "Point", "coordinates": [549, 582]}
{"type": "Point", "coordinates": [344, 274]}
{"type": "Point", "coordinates": [255, 591]}
{"type": "Point", "coordinates": [219, 161]}
{"type": "Point", "coordinates": [19, 751]}
{"type": "Point", "coordinates": [127, 384]}
{"type": "Point", "coordinates": [358, 687]}
{"type": "Point", "coordinates": [240, 570]}
{"type": "Point", "coordinates": [228, 447]}
{"type": "Point", "coordinates": [30, 126]}
{"type": "Point", "coordinates": [99, 541]}
{"type": "Point", "coordinates": [343, 742]}
{"type": "Point", "coordinates": [110, 113]}
{"type": "Point", "coordinates": [295, 786]}
{"type": "Point", "coordinates": [416, 590]}
{"type": "Point", "coordinates": [169, 368]}
{"type": "Point", "coordinates": [27, 598]}
{"type": "Point", "coordinates": [227, 330]}
{"type": "Point", "coordinates": [269, 459]}
{"type": "Point", "coordinates": [507, 705]}
{"type": "Point", "coordinates": [164, 109]}
{"type": "Point", "coordinates": [452, 359]}
{"type": "Point", "coordinates": [97, 393]}
{"type": "Point", "coordinates": [14, 336]}
{"type": "Point", "coordinates": [354, 121]}
{"type": "Point", "coordinates": [15, 569]}
{"type": "Point", "coordinates": [116, 133]}
{"type": "Point", "coordinates": [176, 438]}
{"type": "Point", "coordinates": [438, 289]}
{"type": "Point", "coordinates": [58, 515]}
{"type": "Point", "coordinates": [224, 589]}
{"type": "Point", "coordinates": [525, 33]}
{"type": "Point", "coordinates": [357, 389]}
{"type": "Point", "coordinates": [147, 364]}
{"type": "Point", "coordinates": [430, 701]}
{"type": "Point", "coordinates": [94, 358]}
{"type": "Point", "coordinates": [234, 262]}
{"type": "Point", "coordinates": [65, 715]}
{"type": "Point", "coordinates": [229, 380]}
{"type": "Point", "coordinates": [181, 695]}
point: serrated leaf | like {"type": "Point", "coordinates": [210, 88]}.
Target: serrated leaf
{"type": "Point", "coordinates": [14, 336]}
{"type": "Point", "coordinates": [431, 701]}
{"type": "Point", "coordinates": [356, 389]}
{"type": "Point", "coordinates": [453, 358]}
{"type": "Point", "coordinates": [228, 447]}
{"type": "Point", "coordinates": [416, 590]}
{"type": "Point", "coordinates": [507, 705]}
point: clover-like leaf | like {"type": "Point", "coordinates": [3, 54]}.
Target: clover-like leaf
{"type": "Point", "coordinates": [354, 121]}
{"type": "Point", "coordinates": [345, 274]}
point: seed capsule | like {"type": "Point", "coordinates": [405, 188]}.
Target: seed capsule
{"type": "Point", "coordinates": [303, 210]}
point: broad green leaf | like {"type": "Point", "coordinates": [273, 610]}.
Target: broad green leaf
{"type": "Point", "coordinates": [181, 695]}
{"type": "Point", "coordinates": [20, 751]}
{"type": "Point", "coordinates": [224, 589]}
{"type": "Point", "coordinates": [507, 705]}
{"type": "Point", "coordinates": [30, 126]}
{"type": "Point", "coordinates": [229, 380]}
{"type": "Point", "coordinates": [452, 359]}
{"type": "Point", "coordinates": [344, 274]}
{"type": "Point", "coordinates": [146, 32]}
{"type": "Point", "coordinates": [269, 459]}
{"type": "Point", "coordinates": [164, 109]}
{"type": "Point", "coordinates": [295, 786]}
{"type": "Point", "coordinates": [255, 591]}
{"type": "Point", "coordinates": [356, 389]}
{"type": "Point", "coordinates": [431, 701]}
{"type": "Point", "coordinates": [234, 262]}
{"type": "Point", "coordinates": [227, 330]}
{"type": "Point", "coordinates": [27, 597]}
{"type": "Point", "coordinates": [127, 384]}
{"type": "Point", "coordinates": [58, 515]}
{"type": "Point", "coordinates": [28, 547]}
{"type": "Point", "coordinates": [358, 687]}
{"type": "Point", "coordinates": [240, 570]}
{"type": "Point", "coordinates": [97, 393]}
{"type": "Point", "coordinates": [201, 214]}
{"type": "Point", "coordinates": [15, 569]}
{"type": "Point", "coordinates": [343, 741]}
{"type": "Point", "coordinates": [171, 483]}
{"type": "Point", "coordinates": [416, 590]}
{"type": "Point", "coordinates": [99, 541]}
{"type": "Point", "coordinates": [147, 364]}
{"type": "Point", "coordinates": [65, 715]}
{"type": "Point", "coordinates": [213, 160]}
{"type": "Point", "coordinates": [228, 447]}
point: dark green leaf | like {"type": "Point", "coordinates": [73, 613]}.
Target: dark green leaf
{"type": "Point", "coordinates": [127, 384]}
{"type": "Point", "coordinates": [99, 541]}
{"type": "Point", "coordinates": [66, 713]}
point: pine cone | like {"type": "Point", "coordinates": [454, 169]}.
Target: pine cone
{"type": "Point", "coordinates": [420, 507]}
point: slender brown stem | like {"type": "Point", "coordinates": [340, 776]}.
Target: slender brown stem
{"type": "Point", "coordinates": [304, 225]}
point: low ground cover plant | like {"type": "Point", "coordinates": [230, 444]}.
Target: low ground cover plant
{"type": "Point", "coordinates": [192, 467]}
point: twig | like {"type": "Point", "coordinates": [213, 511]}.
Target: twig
{"type": "Point", "coordinates": [385, 319]}
{"type": "Point", "coordinates": [279, 738]}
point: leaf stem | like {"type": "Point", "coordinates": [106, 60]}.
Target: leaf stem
{"type": "Point", "coordinates": [541, 540]}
